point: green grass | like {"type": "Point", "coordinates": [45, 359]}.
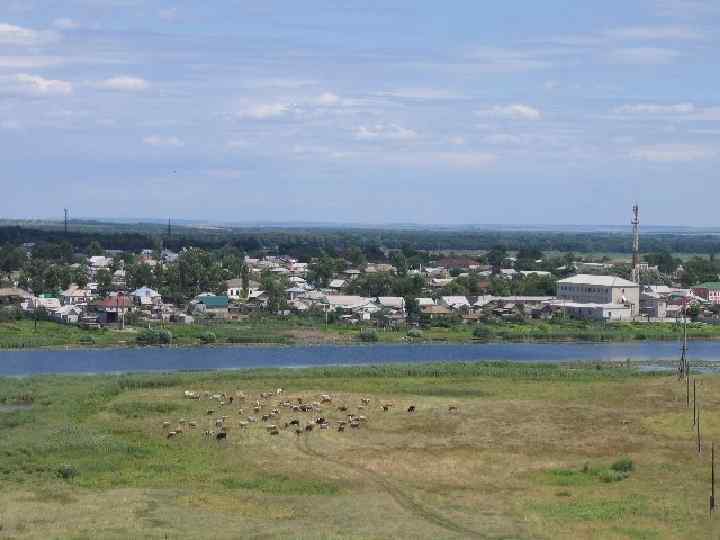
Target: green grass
{"type": "Point", "coordinates": [299, 330]}
{"type": "Point", "coordinates": [534, 451]}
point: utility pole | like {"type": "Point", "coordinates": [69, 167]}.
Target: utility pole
{"type": "Point", "coordinates": [67, 215]}
{"type": "Point", "coordinates": [712, 479]}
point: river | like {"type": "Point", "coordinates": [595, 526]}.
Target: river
{"type": "Point", "coordinates": [15, 363]}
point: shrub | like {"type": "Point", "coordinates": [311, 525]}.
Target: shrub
{"type": "Point", "coordinates": [208, 337]}
{"type": "Point", "coordinates": [624, 465]}
{"type": "Point", "coordinates": [67, 472]}
{"type": "Point", "coordinates": [415, 333]}
{"type": "Point", "coordinates": [154, 337]}
{"type": "Point", "coordinates": [87, 340]}
{"type": "Point", "coordinates": [481, 331]}
{"type": "Point", "coordinates": [368, 336]}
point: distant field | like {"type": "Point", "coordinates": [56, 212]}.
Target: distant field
{"type": "Point", "coordinates": [532, 452]}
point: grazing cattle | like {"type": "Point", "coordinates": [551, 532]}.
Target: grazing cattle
{"type": "Point", "coordinates": [365, 401]}
{"type": "Point", "coordinates": [193, 425]}
{"type": "Point", "coordinates": [219, 423]}
{"type": "Point", "coordinates": [182, 421]}
{"type": "Point", "coordinates": [256, 408]}
{"type": "Point", "coordinates": [324, 398]}
{"type": "Point", "coordinates": [355, 424]}
{"type": "Point", "coordinates": [309, 428]}
{"type": "Point", "coordinates": [342, 408]}
{"type": "Point", "coordinates": [271, 427]}
{"type": "Point", "coordinates": [275, 432]}
{"type": "Point", "coordinates": [265, 395]}
{"type": "Point", "coordinates": [411, 409]}
{"type": "Point", "coordinates": [210, 412]}
{"type": "Point", "coordinates": [362, 418]}
{"type": "Point", "coordinates": [294, 422]}
{"type": "Point", "coordinates": [278, 391]}
{"type": "Point", "coordinates": [252, 419]}
{"type": "Point", "coordinates": [222, 436]}
{"type": "Point", "coordinates": [189, 394]}
{"type": "Point", "coordinates": [265, 417]}
{"type": "Point", "coordinates": [166, 424]}
{"type": "Point", "coordinates": [324, 426]}
{"type": "Point", "coordinates": [386, 407]}
{"type": "Point", "coordinates": [207, 434]}
{"type": "Point", "coordinates": [298, 432]}
{"type": "Point", "coordinates": [341, 428]}
{"type": "Point", "coordinates": [452, 408]}
{"type": "Point", "coordinates": [172, 434]}
{"type": "Point", "coordinates": [231, 400]}
{"type": "Point", "coordinates": [241, 411]}
{"type": "Point", "coordinates": [299, 400]}
{"type": "Point", "coordinates": [243, 425]}
{"type": "Point", "coordinates": [320, 420]}
{"type": "Point", "coordinates": [240, 395]}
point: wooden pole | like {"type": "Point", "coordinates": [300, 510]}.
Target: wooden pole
{"type": "Point", "coordinates": [687, 387]}
{"type": "Point", "coordinates": [694, 403]}
{"type": "Point", "coordinates": [712, 479]}
{"type": "Point", "coordinates": [698, 431]}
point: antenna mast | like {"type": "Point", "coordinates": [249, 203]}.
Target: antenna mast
{"type": "Point", "coordinates": [636, 244]}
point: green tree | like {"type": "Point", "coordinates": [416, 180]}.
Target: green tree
{"type": "Point", "coordinates": [103, 278]}
{"type": "Point", "coordinates": [94, 248]}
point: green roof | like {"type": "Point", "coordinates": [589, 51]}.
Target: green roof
{"type": "Point", "coordinates": [709, 285]}
{"type": "Point", "coordinates": [214, 301]}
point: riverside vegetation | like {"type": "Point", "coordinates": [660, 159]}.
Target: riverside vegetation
{"type": "Point", "coordinates": [24, 334]}
{"type": "Point", "coordinates": [531, 452]}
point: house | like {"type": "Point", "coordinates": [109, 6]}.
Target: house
{"type": "Point", "coordinates": [422, 302]}
{"type": "Point", "coordinates": [591, 289]}
{"type": "Point", "coordinates": [710, 291]}
{"type": "Point", "coordinates": [119, 279]}
{"type": "Point", "coordinates": [259, 298]}
{"type": "Point", "coordinates": [75, 296]}
{"type": "Point", "coordinates": [43, 302]}
{"type": "Point", "coordinates": [211, 306]}
{"type": "Point", "coordinates": [293, 293]}
{"type": "Point", "coordinates": [113, 308]}
{"type": "Point", "coordinates": [12, 296]}
{"type": "Point", "coordinates": [358, 306]}
{"type": "Point", "coordinates": [234, 288]}
{"type": "Point", "coordinates": [351, 274]}
{"type": "Point", "coordinates": [338, 284]}
{"type": "Point", "coordinates": [455, 302]}
{"type": "Point", "coordinates": [599, 312]}
{"type": "Point", "coordinates": [435, 312]}
{"type": "Point", "coordinates": [395, 303]}
{"type": "Point", "coordinates": [68, 314]}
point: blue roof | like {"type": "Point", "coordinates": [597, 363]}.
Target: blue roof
{"type": "Point", "coordinates": [214, 301]}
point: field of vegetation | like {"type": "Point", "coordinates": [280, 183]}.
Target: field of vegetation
{"type": "Point", "coordinates": [23, 334]}
{"type": "Point", "coordinates": [531, 452]}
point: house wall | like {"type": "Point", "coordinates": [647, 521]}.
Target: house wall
{"type": "Point", "coordinates": [597, 294]}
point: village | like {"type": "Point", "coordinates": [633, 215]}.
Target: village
{"type": "Point", "coordinates": [590, 291]}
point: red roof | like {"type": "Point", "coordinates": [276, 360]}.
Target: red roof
{"type": "Point", "coordinates": [114, 302]}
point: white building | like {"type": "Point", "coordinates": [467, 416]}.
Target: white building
{"type": "Point", "coordinates": [590, 289]}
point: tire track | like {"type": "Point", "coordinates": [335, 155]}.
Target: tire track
{"type": "Point", "coordinates": [401, 498]}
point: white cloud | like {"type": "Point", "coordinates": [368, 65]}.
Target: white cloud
{"type": "Point", "coordinates": [671, 153]}
{"type": "Point", "coordinates": [654, 109]}
{"type": "Point", "coordinates": [327, 99]}
{"type": "Point", "coordinates": [421, 93]}
{"type": "Point", "coordinates": [168, 14]}
{"type": "Point", "coordinates": [17, 35]}
{"type": "Point", "coordinates": [655, 33]}
{"type": "Point", "coordinates": [157, 140]}
{"type": "Point", "coordinates": [65, 23]}
{"type": "Point", "coordinates": [384, 132]}
{"type": "Point", "coordinates": [464, 160]}
{"type": "Point", "coordinates": [513, 112]}
{"type": "Point", "coordinates": [265, 111]}
{"type": "Point", "coordinates": [124, 84]}
{"type": "Point", "coordinates": [34, 85]}
{"type": "Point", "coordinates": [643, 56]}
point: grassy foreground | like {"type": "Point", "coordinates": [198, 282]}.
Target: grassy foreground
{"type": "Point", "coordinates": [23, 334]}
{"type": "Point", "coordinates": [532, 452]}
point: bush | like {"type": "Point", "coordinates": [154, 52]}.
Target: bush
{"type": "Point", "coordinates": [368, 336]}
{"type": "Point", "coordinates": [623, 465]}
{"type": "Point", "coordinates": [87, 340]}
{"type": "Point", "coordinates": [415, 333]}
{"type": "Point", "coordinates": [481, 331]}
{"type": "Point", "coordinates": [154, 337]}
{"type": "Point", "coordinates": [67, 472]}
{"type": "Point", "coordinates": [208, 337]}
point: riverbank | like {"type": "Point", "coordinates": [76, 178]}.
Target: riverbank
{"type": "Point", "coordinates": [24, 335]}
{"type": "Point", "coordinates": [528, 451]}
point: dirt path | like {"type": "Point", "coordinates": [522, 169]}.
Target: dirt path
{"type": "Point", "coordinates": [403, 499]}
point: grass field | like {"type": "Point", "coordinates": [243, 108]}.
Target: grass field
{"type": "Point", "coordinates": [298, 330]}
{"type": "Point", "coordinates": [532, 452]}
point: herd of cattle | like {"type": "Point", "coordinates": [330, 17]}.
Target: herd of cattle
{"type": "Point", "coordinates": [269, 407]}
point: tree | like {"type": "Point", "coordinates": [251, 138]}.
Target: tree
{"type": "Point", "coordinates": [496, 256]}
{"type": "Point", "coordinates": [94, 248]}
{"type": "Point", "coordinates": [104, 281]}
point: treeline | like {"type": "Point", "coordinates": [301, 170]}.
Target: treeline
{"type": "Point", "coordinates": [373, 243]}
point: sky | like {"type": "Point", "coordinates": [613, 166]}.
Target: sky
{"type": "Point", "coordinates": [380, 111]}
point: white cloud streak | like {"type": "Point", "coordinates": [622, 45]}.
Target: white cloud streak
{"type": "Point", "coordinates": [160, 141]}
{"type": "Point", "coordinates": [124, 84]}
{"type": "Point", "coordinates": [516, 111]}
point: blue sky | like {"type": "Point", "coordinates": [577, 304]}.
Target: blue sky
{"type": "Point", "coordinates": [552, 112]}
